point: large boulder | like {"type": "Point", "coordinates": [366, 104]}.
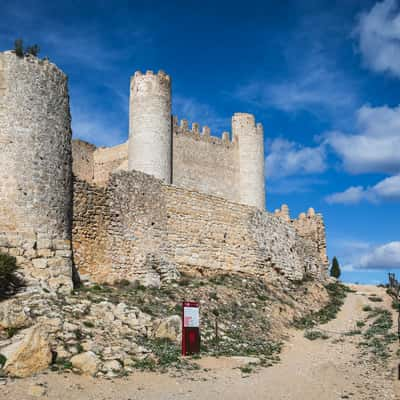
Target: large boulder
{"type": "Point", "coordinates": [88, 363]}
{"type": "Point", "coordinates": [169, 328]}
{"type": "Point", "coordinates": [30, 355]}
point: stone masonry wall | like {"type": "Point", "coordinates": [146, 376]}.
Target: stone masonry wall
{"type": "Point", "coordinates": [83, 159]}
{"type": "Point", "coordinates": [120, 232]}
{"type": "Point", "coordinates": [108, 160]}
{"type": "Point", "coordinates": [200, 161]}
{"type": "Point", "coordinates": [35, 169]}
{"type": "Point", "coordinates": [205, 163]}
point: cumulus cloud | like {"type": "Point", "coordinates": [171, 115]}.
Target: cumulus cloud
{"type": "Point", "coordinates": [352, 195]}
{"type": "Point", "coordinates": [374, 148]}
{"type": "Point", "coordinates": [287, 158]}
{"type": "Point", "coordinates": [387, 189]}
{"type": "Point", "coordinates": [384, 256]}
{"type": "Point", "coordinates": [378, 32]}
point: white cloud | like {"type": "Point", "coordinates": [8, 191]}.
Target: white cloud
{"type": "Point", "coordinates": [387, 189]}
{"type": "Point", "coordinates": [287, 158]}
{"type": "Point", "coordinates": [353, 195]}
{"type": "Point", "coordinates": [378, 33]}
{"type": "Point", "coordinates": [375, 147]}
{"type": "Point", "coordinates": [384, 256]}
{"type": "Point", "coordinates": [314, 84]}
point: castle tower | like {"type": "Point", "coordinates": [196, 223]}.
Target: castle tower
{"type": "Point", "coordinates": [251, 159]}
{"type": "Point", "coordinates": [35, 168]}
{"type": "Point", "coordinates": [150, 125]}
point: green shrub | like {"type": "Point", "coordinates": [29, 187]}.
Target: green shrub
{"type": "Point", "coordinates": [375, 299]}
{"type": "Point", "coordinates": [313, 335]}
{"type": "Point", "coordinates": [10, 282]}
{"type": "Point", "coordinates": [19, 48]}
{"type": "Point", "coordinates": [33, 50]}
{"type": "Point", "coordinates": [3, 360]}
{"type": "Point", "coordinates": [335, 270]}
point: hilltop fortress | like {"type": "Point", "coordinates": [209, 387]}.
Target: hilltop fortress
{"type": "Point", "coordinates": [171, 199]}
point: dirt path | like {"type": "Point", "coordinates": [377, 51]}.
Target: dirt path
{"type": "Point", "coordinates": [319, 369]}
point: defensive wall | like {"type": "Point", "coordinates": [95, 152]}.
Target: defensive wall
{"type": "Point", "coordinates": [198, 205]}
{"type": "Point", "coordinates": [121, 232]}
{"type": "Point", "coordinates": [166, 148]}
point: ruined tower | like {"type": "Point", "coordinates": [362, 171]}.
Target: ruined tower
{"type": "Point", "coordinates": [35, 168]}
{"type": "Point", "coordinates": [150, 125]}
{"type": "Point", "coordinates": [251, 159]}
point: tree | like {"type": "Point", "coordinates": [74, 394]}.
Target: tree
{"type": "Point", "coordinates": [33, 50]}
{"type": "Point", "coordinates": [19, 47]}
{"type": "Point", "coordinates": [335, 269]}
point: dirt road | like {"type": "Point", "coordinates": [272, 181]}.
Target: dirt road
{"type": "Point", "coordinates": [314, 370]}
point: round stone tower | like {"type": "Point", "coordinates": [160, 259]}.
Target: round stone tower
{"type": "Point", "coordinates": [35, 167]}
{"type": "Point", "coordinates": [150, 125]}
{"type": "Point", "coordinates": [251, 159]}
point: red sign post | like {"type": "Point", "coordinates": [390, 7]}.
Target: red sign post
{"type": "Point", "coordinates": [190, 328]}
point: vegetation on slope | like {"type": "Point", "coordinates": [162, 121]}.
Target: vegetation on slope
{"type": "Point", "coordinates": [239, 314]}
{"type": "Point", "coordinates": [337, 293]}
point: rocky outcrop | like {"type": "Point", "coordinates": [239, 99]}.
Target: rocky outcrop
{"type": "Point", "coordinates": [30, 355]}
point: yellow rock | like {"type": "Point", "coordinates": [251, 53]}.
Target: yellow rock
{"type": "Point", "coordinates": [30, 355]}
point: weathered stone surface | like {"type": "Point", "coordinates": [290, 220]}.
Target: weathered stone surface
{"type": "Point", "coordinates": [169, 328]}
{"type": "Point", "coordinates": [120, 232]}
{"type": "Point", "coordinates": [37, 390]}
{"type": "Point", "coordinates": [14, 314]}
{"type": "Point", "coordinates": [87, 362]}
{"type": "Point", "coordinates": [35, 165]}
{"type": "Point", "coordinates": [30, 355]}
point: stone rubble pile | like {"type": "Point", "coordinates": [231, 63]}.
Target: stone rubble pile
{"type": "Point", "coordinates": [37, 330]}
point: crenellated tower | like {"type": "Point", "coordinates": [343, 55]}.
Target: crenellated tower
{"type": "Point", "coordinates": [150, 125]}
{"type": "Point", "coordinates": [251, 159]}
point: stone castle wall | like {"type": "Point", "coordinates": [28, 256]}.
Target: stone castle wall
{"type": "Point", "coordinates": [201, 162]}
{"type": "Point", "coordinates": [120, 232]}
{"type": "Point", "coordinates": [205, 163]}
{"type": "Point", "coordinates": [309, 226]}
{"type": "Point", "coordinates": [35, 168]}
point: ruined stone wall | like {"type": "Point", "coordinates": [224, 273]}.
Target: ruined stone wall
{"type": "Point", "coordinates": [311, 227]}
{"type": "Point", "coordinates": [183, 230]}
{"type": "Point", "coordinates": [83, 159]}
{"type": "Point", "coordinates": [35, 168]}
{"type": "Point", "coordinates": [205, 163]}
{"type": "Point", "coordinates": [108, 160]}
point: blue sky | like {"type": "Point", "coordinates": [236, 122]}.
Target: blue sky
{"type": "Point", "coordinates": [323, 77]}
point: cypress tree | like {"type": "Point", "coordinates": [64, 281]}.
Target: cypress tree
{"type": "Point", "coordinates": [335, 269]}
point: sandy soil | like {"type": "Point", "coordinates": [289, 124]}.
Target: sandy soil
{"type": "Point", "coordinates": [319, 369]}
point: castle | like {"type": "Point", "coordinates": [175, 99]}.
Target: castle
{"type": "Point", "coordinates": [171, 199]}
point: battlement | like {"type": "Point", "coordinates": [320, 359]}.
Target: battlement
{"type": "Point", "coordinates": [196, 132]}
{"type": "Point", "coordinates": [44, 63]}
{"type": "Point", "coordinates": [308, 225]}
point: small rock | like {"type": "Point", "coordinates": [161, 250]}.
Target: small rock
{"type": "Point", "coordinates": [88, 363]}
{"type": "Point", "coordinates": [37, 390]}
{"type": "Point", "coordinates": [112, 366]}
{"type": "Point", "coordinates": [169, 328]}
